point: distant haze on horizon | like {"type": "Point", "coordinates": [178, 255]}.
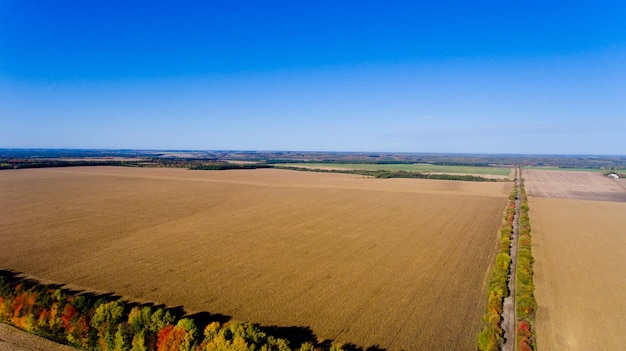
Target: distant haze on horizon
{"type": "Point", "coordinates": [449, 77]}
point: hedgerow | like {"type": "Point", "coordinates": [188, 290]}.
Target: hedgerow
{"type": "Point", "coordinates": [490, 337]}
{"type": "Point", "coordinates": [525, 302]}
{"type": "Point", "coordinates": [386, 174]}
{"type": "Point", "coordinates": [104, 325]}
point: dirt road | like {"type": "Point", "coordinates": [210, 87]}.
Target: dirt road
{"type": "Point", "coordinates": [508, 310]}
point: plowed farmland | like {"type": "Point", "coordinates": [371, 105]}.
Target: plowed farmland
{"type": "Point", "coordinates": [580, 267]}
{"type": "Point", "coordinates": [397, 263]}
{"type": "Point", "coordinates": [574, 185]}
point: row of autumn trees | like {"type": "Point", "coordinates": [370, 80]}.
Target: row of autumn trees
{"type": "Point", "coordinates": [100, 324]}
{"type": "Point", "coordinates": [491, 336]}
{"type": "Point", "coordinates": [525, 302]}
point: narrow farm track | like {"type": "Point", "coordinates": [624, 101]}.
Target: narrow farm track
{"type": "Point", "coordinates": [508, 309]}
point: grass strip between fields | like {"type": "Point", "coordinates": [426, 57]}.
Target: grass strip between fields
{"type": "Point", "coordinates": [525, 302]}
{"type": "Point", "coordinates": [90, 322]}
{"type": "Point", "coordinates": [491, 336]}
{"type": "Point", "coordinates": [408, 167]}
{"type": "Point", "coordinates": [385, 174]}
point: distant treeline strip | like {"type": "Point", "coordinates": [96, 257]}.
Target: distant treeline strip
{"type": "Point", "coordinates": [525, 302]}
{"type": "Point", "coordinates": [384, 174]}
{"type": "Point", "coordinates": [218, 165]}
{"type": "Point", "coordinates": [148, 163]}
{"type": "Point", "coordinates": [96, 323]}
{"type": "Point", "coordinates": [380, 162]}
{"type": "Point", "coordinates": [37, 163]}
{"type": "Point", "coordinates": [490, 338]}
{"type": "Point", "coordinates": [222, 166]}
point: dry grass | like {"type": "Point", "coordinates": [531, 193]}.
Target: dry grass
{"type": "Point", "coordinates": [580, 274]}
{"type": "Point", "coordinates": [399, 263]}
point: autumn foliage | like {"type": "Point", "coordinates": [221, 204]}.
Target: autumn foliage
{"type": "Point", "coordinates": [525, 302]}
{"type": "Point", "coordinates": [491, 336]}
{"type": "Point", "coordinates": [104, 325]}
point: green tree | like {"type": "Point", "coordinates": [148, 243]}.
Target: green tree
{"type": "Point", "coordinates": [105, 320]}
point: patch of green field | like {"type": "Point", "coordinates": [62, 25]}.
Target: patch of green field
{"type": "Point", "coordinates": [566, 169]}
{"type": "Point", "coordinates": [413, 167]}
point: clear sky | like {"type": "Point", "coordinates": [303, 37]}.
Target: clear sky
{"type": "Point", "coordinates": [542, 77]}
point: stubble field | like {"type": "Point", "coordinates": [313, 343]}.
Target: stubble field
{"type": "Point", "coordinates": [578, 222]}
{"type": "Point", "coordinates": [574, 185]}
{"type": "Point", "coordinates": [397, 263]}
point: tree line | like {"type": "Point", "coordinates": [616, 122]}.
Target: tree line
{"type": "Point", "coordinates": [525, 302]}
{"type": "Point", "coordinates": [198, 164]}
{"type": "Point", "coordinates": [102, 324]}
{"type": "Point", "coordinates": [222, 166]}
{"type": "Point", "coordinates": [490, 337]}
{"type": "Point", "coordinates": [384, 174]}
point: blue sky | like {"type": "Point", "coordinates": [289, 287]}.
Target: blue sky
{"type": "Point", "coordinates": [542, 77]}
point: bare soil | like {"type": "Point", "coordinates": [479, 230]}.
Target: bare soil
{"type": "Point", "coordinates": [580, 273]}
{"type": "Point", "coordinates": [398, 263]}
{"type": "Point", "coordinates": [13, 339]}
{"type": "Point", "coordinates": [573, 185]}
{"type": "Point", "coordinates": [578, 223]}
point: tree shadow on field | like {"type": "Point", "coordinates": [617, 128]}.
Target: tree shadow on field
{"type": "Point", "coordinates": [202, 319]}
{"type": "Point", "coordinates": [300, 335]}
{"type": "Point", "coordinates": [327, 344]}
{"type": "Point", "coordinates": [29, 282]}
{"type": "Point", "coordinates": [296, 335]}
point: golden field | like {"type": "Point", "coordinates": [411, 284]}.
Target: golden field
{"type": "Point", "coordinates": [580, 268]}
{"type": "Point", "coordinates": [398, 263]}
{"type": "Point", "coordinates": [574, 185]}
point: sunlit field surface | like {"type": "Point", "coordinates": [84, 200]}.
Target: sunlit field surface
{"type": "Point", "coordinates": [578, 221]}
{"type": "Point", "coordinates": [398, 263]}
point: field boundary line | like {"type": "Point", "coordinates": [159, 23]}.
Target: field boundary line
{"type": "Point", "coordinates": [491, 337]}
{"type": "Point", "coordinates": [509, 317]}
{"type": "Point", "coordinates": [525, 302]}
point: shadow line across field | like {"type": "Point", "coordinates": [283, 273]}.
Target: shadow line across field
{"type": "Point", "coordinates": [296, 335]}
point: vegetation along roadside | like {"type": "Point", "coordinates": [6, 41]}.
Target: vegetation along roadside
{"type": "Point", "coordinates": [491, 336]}
{"type": "Point", "coordinates": [525, 302]}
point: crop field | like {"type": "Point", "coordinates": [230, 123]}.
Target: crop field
{"type": "Point", "coordinates": [413, 167]}
{"type": "Point", "coordinates": [574, 185]}
{"type": "Point", "coordinates": [398, 263]}
{"type": "Point", "coordinates": [566, 169]}
{"type": "Point", "coordinates": [580, 267]}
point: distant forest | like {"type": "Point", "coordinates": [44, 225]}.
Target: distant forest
{"type": "Point", "coordinates": [219, 160]}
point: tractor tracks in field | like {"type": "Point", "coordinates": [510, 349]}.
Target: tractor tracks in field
{"type": "Point", "coordinates": [508, 310]}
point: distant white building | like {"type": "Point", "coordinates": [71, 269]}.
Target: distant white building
{"type": "Point", "coordinates": [614, 176]}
